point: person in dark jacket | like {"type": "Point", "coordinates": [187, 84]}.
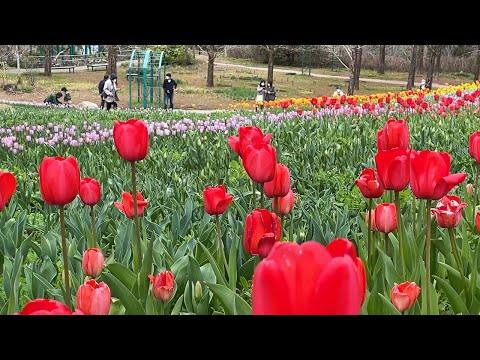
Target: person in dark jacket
{"type": "Point", "coordinates": [270, 92]}
{"type": "Point", "coordinates": [169, 87]}
{"type": "Point", "coordinates": [100, 91]}
{"type": "Point", "coordinates": [66, 95]}
{"type": "Point", "coordinates": [52, 99]}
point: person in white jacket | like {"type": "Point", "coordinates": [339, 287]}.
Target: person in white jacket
{"type": "Point", "coordinates": [110, 90]}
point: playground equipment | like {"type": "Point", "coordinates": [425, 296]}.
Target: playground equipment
{"type": "Point", "coordinates": [145, 69]}
{"type": "Point", "coordinates": [68, 54]}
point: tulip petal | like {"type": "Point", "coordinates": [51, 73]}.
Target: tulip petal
{"type": "Point", "coordinates": [447, 183]}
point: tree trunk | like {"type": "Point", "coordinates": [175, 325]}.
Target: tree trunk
{"type": "Point", "coordinates": [381, 60]}
{"type": "Point", "coordinates": [271, 50]}
{"type": "Point", "coordinates": [477, 65]}
{"type": "Point", "coordinates": [438, 61]}
{"type": "Point", "coordinates": [353, 63]}
{"type": "Point", "coordinates": [112, 59]}
{"type": "Point", "coordinates": [358, 67]}
{"type": "Point", "coordinates": [48, 60]}
{"type": "Point", "coordinates": [431, 56]}
{"type": "Point", "coordinates": [421, 51]}
{"type": "Point", "coordinates": [411, 71]}
{"type": "Point", "coordinates": [211, 60]}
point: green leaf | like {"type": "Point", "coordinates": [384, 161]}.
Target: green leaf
{"type": "Point", "coordinates": [120, 291]}
{"type": "Point", "coordinates": [389, 306]}
{"type": "Point", "coordinates": [233, 304]}
{"type": "Point", "coordinates": [219, 276]}
{"type": "Point", "coordinates": [126, 276]}
{"type": "Point", "coordinates": [455, 300]}
{"type": "Point", "coordinates": [178, 306]}
{"type": "Point", "coordinates": [143, 281]}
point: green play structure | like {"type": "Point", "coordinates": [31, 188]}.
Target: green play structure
{"type": "Point", "coordinates": [91, 53]}
{"type": "Point", "coordinates": [147, 69]}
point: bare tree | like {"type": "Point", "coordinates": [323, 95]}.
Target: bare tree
{"type": "Point", "coordinates": [48, 60]}
{"type": "Point", "coordinates": [477, 65]}
{"type": "Point", "coordinates": [431, 57]}
{"type": "Point", "coordinates": [112, 58]}
{"type": "Point", "coordinates": [352, 53]}
{"type": "Point", "coordinates": [358, 66]}
{"type": "Point", "coordinates": [381, 60]}
{"type": "Point", "coordinates": [411, 71]}
{"type": "Point", "coordinates": [421, 51]}
{"type": "Point", "coordinates": [438, 60]}
{"type": "Point", "coordinates": [212, 51]}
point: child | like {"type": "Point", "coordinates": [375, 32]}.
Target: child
{"type": "Point", "coordinates": [270, 92]}
{"type": "Point", "coordinates": [52, 99]}
{"type": "Point", "coordinates": [260, 94]}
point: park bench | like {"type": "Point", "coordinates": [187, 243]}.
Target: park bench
{"type": "Point", "coordinates": [97, 65]}
{"type": "Point", "coordinates": [69, 67]}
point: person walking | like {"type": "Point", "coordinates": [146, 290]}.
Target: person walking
{"type": "Point", "coordinates": [169, 88]}
{"type": "Point", "coordinates": [110, 90]}
{"type": "Point", "coordinates": [101, 84]}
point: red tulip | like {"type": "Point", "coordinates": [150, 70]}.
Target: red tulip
{"type": "Point", "coordinates": [393, 168]}
{"type": "Point", "coordinates": [280, 184]}
{"type": "Point", "coordinates": [131, 139]}
{"type": "Point", "coordinates": [90, 191]}
{"type": "Point", "coordinates": [59, 180]}
{"type": "Point", "coordinates": [386, 218]}
{"type": "Point", "coordinates": [314, 101]}
{"type": "Point", "coordinates": [260, 162]}
{"type": "Point", "coordinates": [94, 298]}
{"type": "Point", "coordinates": [247, 135]}
{"type": "Point", "coordinates": [459, 93]}
{"type": "Point", "coordinates": [394, 134]}
{"type": "Point", "coordinates": [45, 307]}
{"type": "Point", "coordinates": [436, 97]}
{"type": "Point", "coordinates": [216, 200]}
{"type": "Point", "coordinates": [403, 296]}
{"type": "Point", "coordinates": [299, 112]}
{"type": "Point", "coordinates": [477, 221]}
{"type": "Point", "coordinates": [8, 184]}
{"type": "Point", "coordinates": [430, 176]}
{"type": "Point", "coordinates": [127, 206]}
{"type": "Point", "coordinates": [285, 204]}
{"type": "Point", "coordinates": [93, 262]}
{"type": "Point", "coordinates": [367, 219]}
{"type": "Point", "coordinates": [163, 285]}
{"type": "Point", "coordinates": [449, 211]}
{"type": "Point", "coordinates": [262, 230]}
{"type": "Point", "coordinates": [309, 279]}
{"type": "Point", "coordinates": [474, 146]}
{"type": "Point", "coordinates": [369, 185]}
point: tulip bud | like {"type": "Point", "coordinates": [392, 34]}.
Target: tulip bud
{"type": "Point", "coordinates": [198, 291]}
{"type": "Point", "coordinates": [93, 262]}
{"type": "Point", "coordinates": [469, 189]}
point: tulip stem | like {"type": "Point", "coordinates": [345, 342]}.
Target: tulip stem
{"type": "Point", "coordinates": [456, 255]}
{"type": "Point", "coordinates": [162, 308]}
{"type": "Point", "coordinates": [476, 192]}
{"type": "Point", "coordinates": [399, 230]}
{"type": "Point", "coordinates": [262, 201]}
{"type": "Point", "coordinates": [66, 277]}
{"type": "Point", "coordinates": [275, 207]}
{"type": "Point", "coordinates": [221, 251]}
{"type": "Point", "coordinates": [414, 206]}
{"type": "Point", "coordinates": [370, 237]}
{"type": "Point", "coordinates": [254, 195]}
{"type": "Point", "coordinates": [386, 244]}
{"type": "Point", "coordinates": [427, 254]}
{"type": "Point", "coordinates": [282, 224]}
{"type": "Point", "coordinates": [94, 226]}
{"type": "Point", "coordinates": [135, 218]}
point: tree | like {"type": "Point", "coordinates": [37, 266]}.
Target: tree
{"type": "Point", "coordinates": [212, 51]}
{"type": "Point", "coordinates": [48, 60]}
{"type": "Point", "coordinates": [112, 58]}
{"type": "Point", "coordinates": [358, 67]}
{"type": "Point", "coordinates": [431, 57]}
{"type": "Point", "coordinates": [438, 60]}
{"type": "Point", "coordinates": [381, 60]}
{"type": "Point", "coordinates": [413, 65]}
{"type": "Point", "coordinates": [477, 65]}
{"type": "Point", "coordinates": [352, 53]}
{"type": "Point", "coordinates": [421, 50]}
{"type": "Point", "coordinates": [271, 51]}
